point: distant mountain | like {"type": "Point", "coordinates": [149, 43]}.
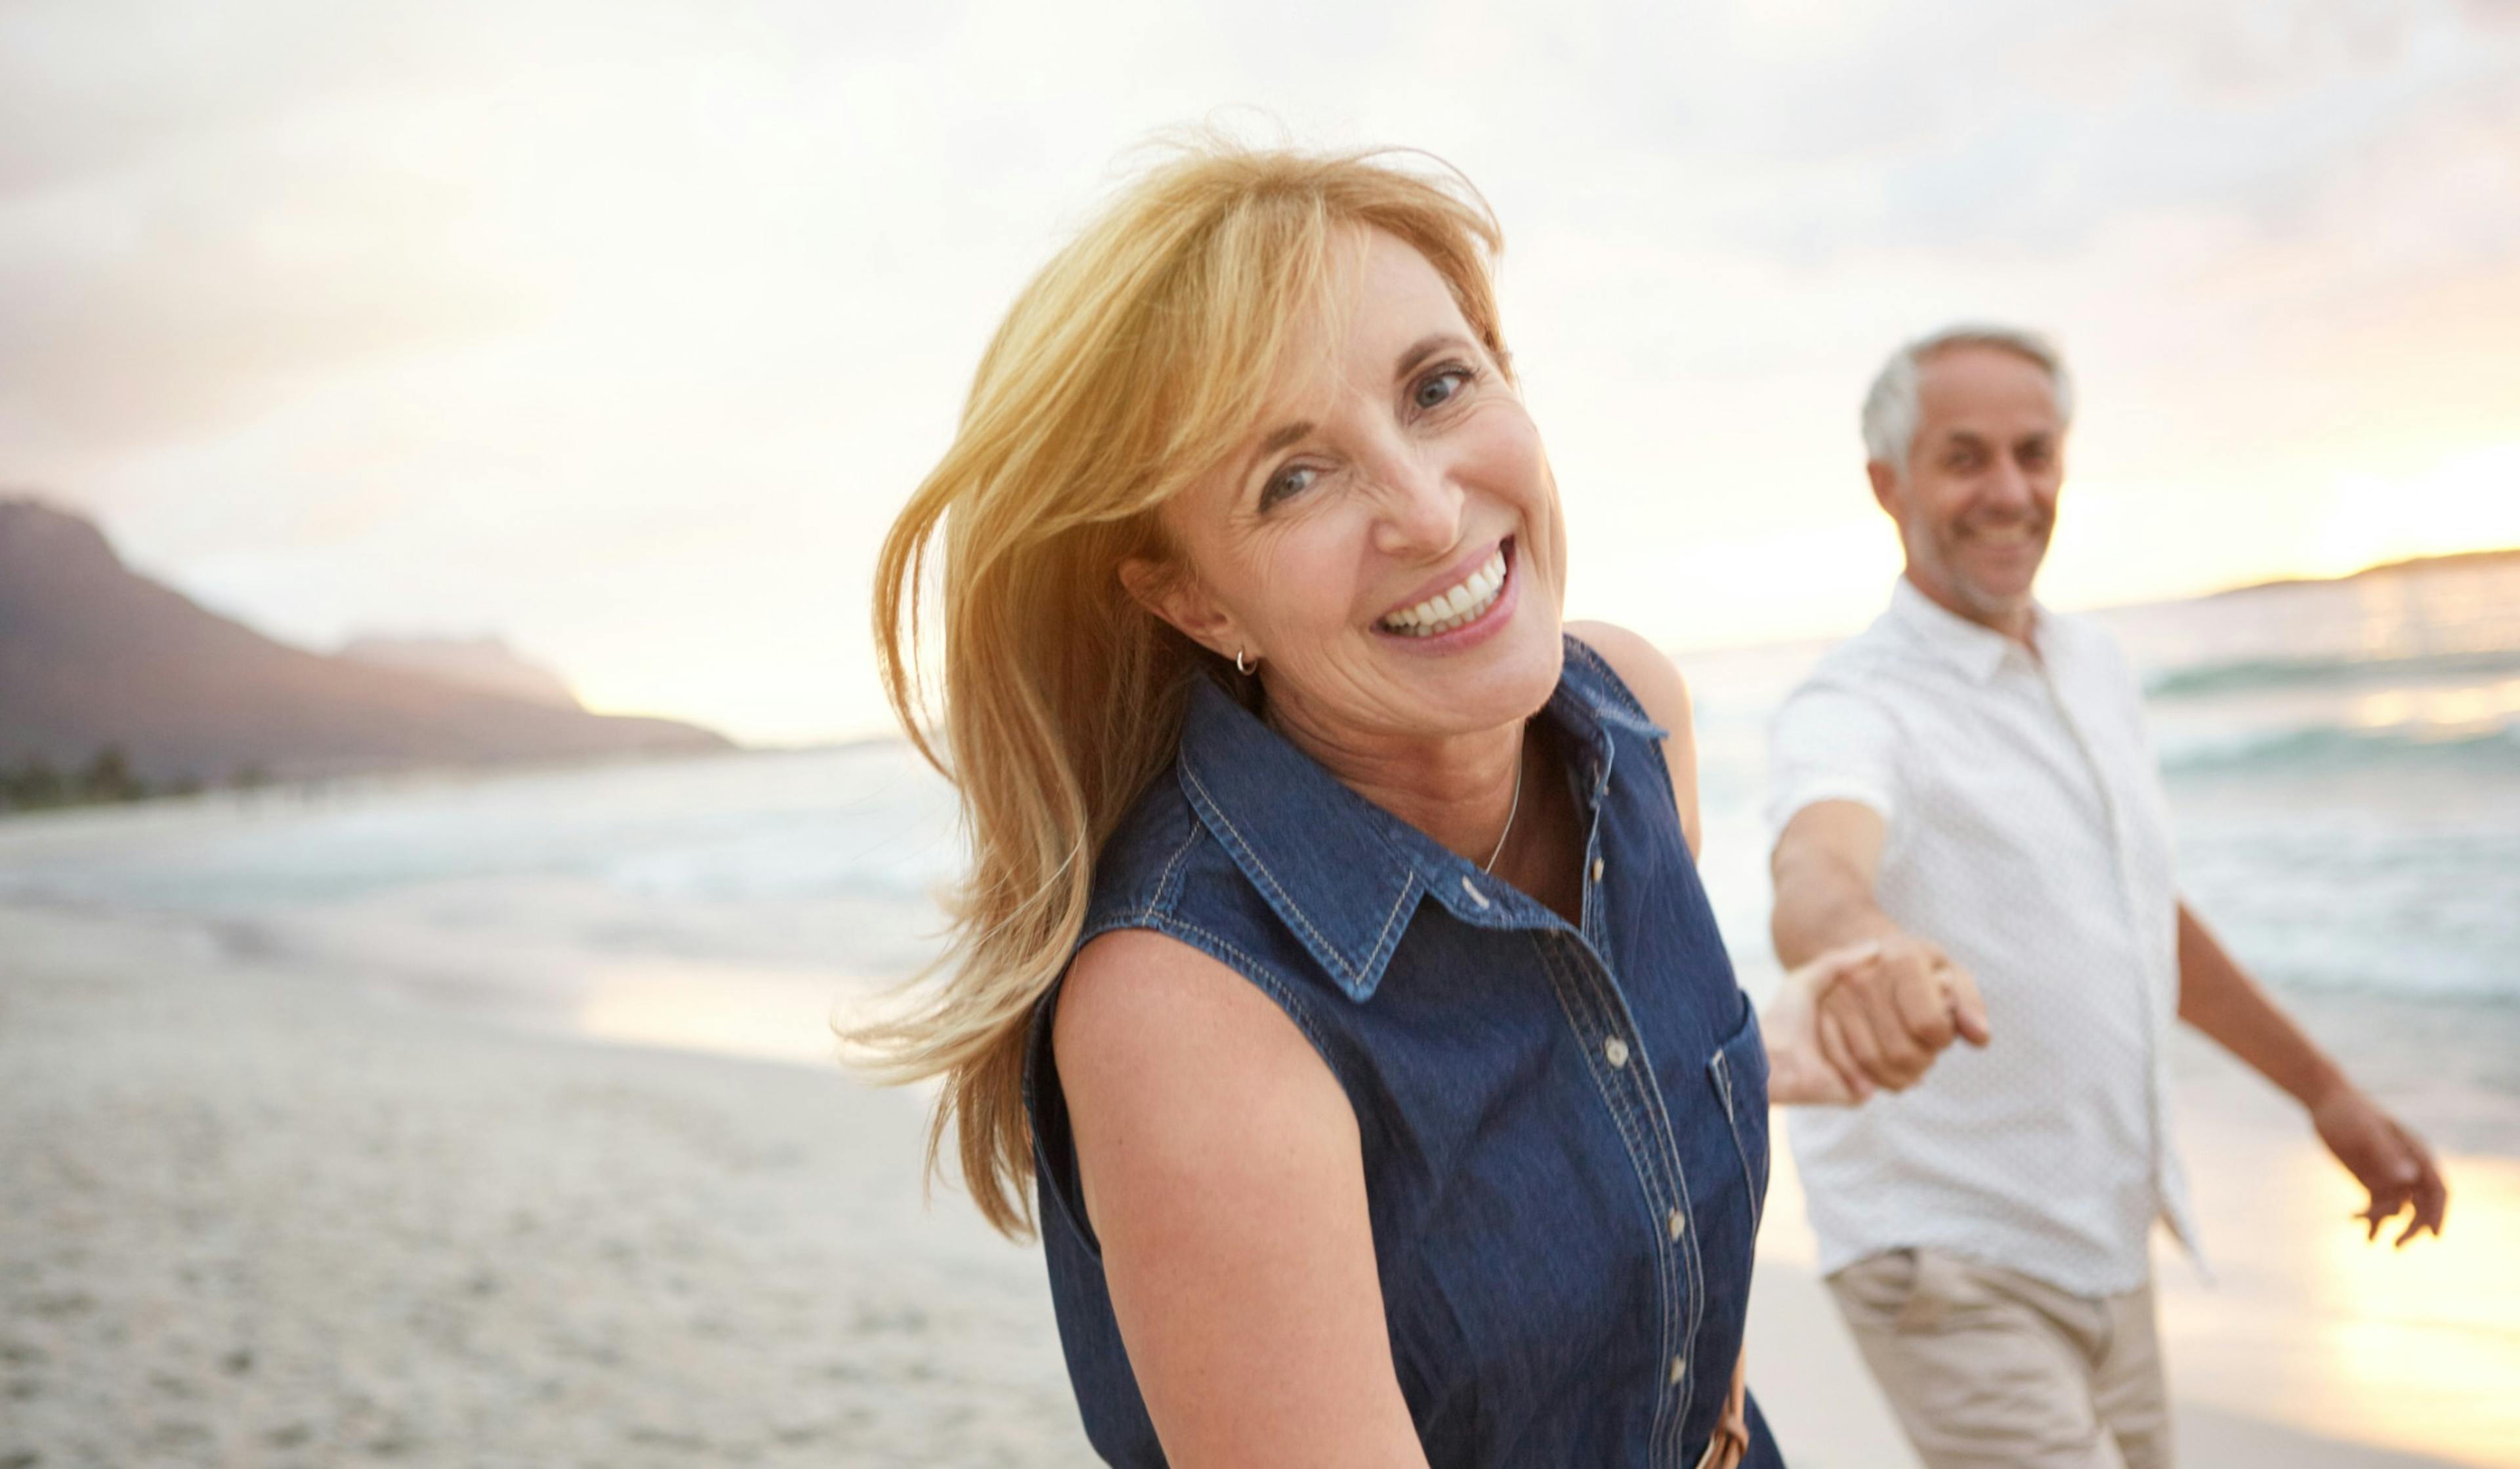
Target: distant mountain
{"type": "Point", "coordinates": [93, 655]}
{"type": "Point", "coordinates": [2456, 562]}
{"type": "Point", "coordinates": [483, 663]}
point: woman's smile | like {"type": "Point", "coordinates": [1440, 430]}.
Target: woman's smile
{"type": "Point", "coordinates": [1473, 603]}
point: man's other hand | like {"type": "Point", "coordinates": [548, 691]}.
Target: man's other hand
{"type": "Point", "coordinates": [2389, 1161]}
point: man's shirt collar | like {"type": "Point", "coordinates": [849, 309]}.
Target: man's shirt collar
{"type": "Point", "coordinates": [1974, 649]}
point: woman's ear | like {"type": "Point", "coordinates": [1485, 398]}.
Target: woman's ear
{"type": "Point", "coordinates": [1181, 598]}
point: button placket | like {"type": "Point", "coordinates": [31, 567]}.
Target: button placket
{"type": "Point", "coordinates": [2156, 1093]}
{"type": "Point", "coordinates": [1573, 974]}
{"type": "Point", "coordinates": [1598, 1011]}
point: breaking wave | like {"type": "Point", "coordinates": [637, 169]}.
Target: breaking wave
{"type": "Point", "coordinates": [2253, 675]}
{"type": "Point", "coordinates": [2336, 749]}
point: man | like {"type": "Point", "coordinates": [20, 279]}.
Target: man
{"type": "Point", "coordinates": [1969, 783]}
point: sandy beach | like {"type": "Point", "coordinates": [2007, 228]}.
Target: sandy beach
{"type": "Point", "coordinates": [250, 1215]}
{"type": "Point", "coordinates": [255, 1213]}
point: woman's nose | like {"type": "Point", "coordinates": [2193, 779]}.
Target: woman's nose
{"type": "Point", "coordinates": [1419, 506]}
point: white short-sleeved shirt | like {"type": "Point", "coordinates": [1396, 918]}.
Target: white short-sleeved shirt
{"type": "Point", "coordinates": [2030, 838]}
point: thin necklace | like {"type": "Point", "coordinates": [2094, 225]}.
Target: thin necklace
{"type": "Point", "coordinates": [1512, 809]}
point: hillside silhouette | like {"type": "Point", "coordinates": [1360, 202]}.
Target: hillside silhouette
{"type": "Point", "coordinates": [95, 657]}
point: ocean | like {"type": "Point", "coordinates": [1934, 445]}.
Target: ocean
{"type": "Point", "coordinates": [2342, 760]}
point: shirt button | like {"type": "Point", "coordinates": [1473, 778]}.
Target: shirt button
{"type": "Point", "coordinates": [1677, 1223]}
{"type": "Point", "coordinates": [1678, 1370]}
{"type": "Point", "coordinates": [1599, 867]}
{"type": "Point", "coordinates": [1617, 1051]}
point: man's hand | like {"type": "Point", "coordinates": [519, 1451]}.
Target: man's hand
{"type": "Point", "coordinates": [2218, 998]}
{"type": "Point", "coordinates": [1881, 1025]}
{"type": "Point", "coordinates": [2387, 1159]}
{"type": "Point", "coordinates": [1867, 1016]}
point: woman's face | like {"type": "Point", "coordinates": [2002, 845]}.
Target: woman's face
{"type": "Point", "coordinates": [1386, 542]}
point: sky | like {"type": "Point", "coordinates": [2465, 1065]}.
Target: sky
{"type": "Point", "coordinates": [620, 330]}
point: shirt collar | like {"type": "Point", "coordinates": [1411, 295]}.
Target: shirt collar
{"type": "Point", "coordinates": [1343, 874]}
{"type": "Point", "coordinates": [1976, 649]}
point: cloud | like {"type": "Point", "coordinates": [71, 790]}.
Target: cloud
{"type": "Point", "coordinates": [624, 327]}
{"type": "Point", "coordinates": [120, 327]}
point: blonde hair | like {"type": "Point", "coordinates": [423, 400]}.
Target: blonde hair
{"type": "Point", "coordinates": [1127, 369]}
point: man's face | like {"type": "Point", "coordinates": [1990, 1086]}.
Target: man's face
{"type": "Point", "coordinates": [1978, 498]}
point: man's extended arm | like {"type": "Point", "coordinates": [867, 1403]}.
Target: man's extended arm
{"type": "Point", "coordinates": [2217, 997]}
{"type": "Point", "coordinates": [1916, 998]}
{"type": "Point", "coordinates": [1825, 866]}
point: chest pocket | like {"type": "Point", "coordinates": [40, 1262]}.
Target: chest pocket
{"type": "Point", "coordinates": [1738, 1073]}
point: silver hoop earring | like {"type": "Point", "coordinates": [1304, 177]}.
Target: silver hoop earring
{"type": "Point", "coordinates": [1238, 664]}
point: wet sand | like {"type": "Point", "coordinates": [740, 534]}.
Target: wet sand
{"type": "Point", "coordinates": [251, 1213]}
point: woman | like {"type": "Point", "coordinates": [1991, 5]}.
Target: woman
{"type": "Point", "coordinates": [1334, 960]}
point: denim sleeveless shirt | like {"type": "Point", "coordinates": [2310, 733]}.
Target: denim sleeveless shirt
{"type": "Point", "coordinates": [1565, 1128]}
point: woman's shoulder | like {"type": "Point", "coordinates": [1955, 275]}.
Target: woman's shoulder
{"type": "Point", "coordinates": [1642, 672]}
{"type": "Point", "coordinates": [1137, 870]}
{"type": "Point", "coordinates": [1140, 1004]}
{"type": "Point", "coordinates": [1164, 885]}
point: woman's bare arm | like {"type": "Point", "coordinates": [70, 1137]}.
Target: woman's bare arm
{"type": "Point", "coordinates": [1222, 1172]}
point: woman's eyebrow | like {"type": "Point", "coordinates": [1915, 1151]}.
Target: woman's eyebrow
{"type": "Point", "coordinates": [1278, 438]}
{"type": "Point", "coordinates": [1425, 347]}
{"type": "Point", "coordinates": [1292, 433]}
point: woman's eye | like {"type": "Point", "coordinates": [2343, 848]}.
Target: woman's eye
{"type": "Point", "coordinates": [1292, 481]}
{"type": "Point", "coordinates": [1436, 388]}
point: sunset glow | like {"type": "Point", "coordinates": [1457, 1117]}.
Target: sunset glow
{"type": "Point", "coordinates": [624, 337]}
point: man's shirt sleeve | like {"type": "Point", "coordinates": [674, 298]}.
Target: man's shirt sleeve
{"type": "Point", "coordinates": [1830, 743]}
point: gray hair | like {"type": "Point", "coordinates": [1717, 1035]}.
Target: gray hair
{"type": "Point", "coordinates": [1891, 410]}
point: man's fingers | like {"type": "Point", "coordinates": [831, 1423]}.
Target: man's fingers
{"type": "Point", "coordinates": [1902, 1054]}
{"type": "Point", "coordinates": [2373, 1218]}
{"type": "Point", "coordinates": [1924, 1007]}
{"type": "Point", "coordinates": [2431, 1201]}
{"type": "Point", "coordinates": [1851, 1062]}
{"type": "Point", "coordinates": [2386, 1204]}
{"type": "Point", "coordinates": [2431, 1194]}
{"type": "Point", "coordinates": [1887, 1008]}
{"type": "Point", "coordinates": [1852, 1010]}
{"type": "Point", "coordinates": [1841, 1056]}
{"type": "Point", "coordinates": [1968, 1006]}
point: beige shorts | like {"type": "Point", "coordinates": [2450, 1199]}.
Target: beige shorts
{"type": "Point", "coordinates": [1989, 1368]}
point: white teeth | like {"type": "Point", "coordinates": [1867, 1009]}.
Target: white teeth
{"type": "Point", "coordinates": [1453, 607]}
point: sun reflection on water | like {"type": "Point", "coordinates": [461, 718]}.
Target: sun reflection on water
{"type": "Point", "coordinates": [2415, 1349]}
